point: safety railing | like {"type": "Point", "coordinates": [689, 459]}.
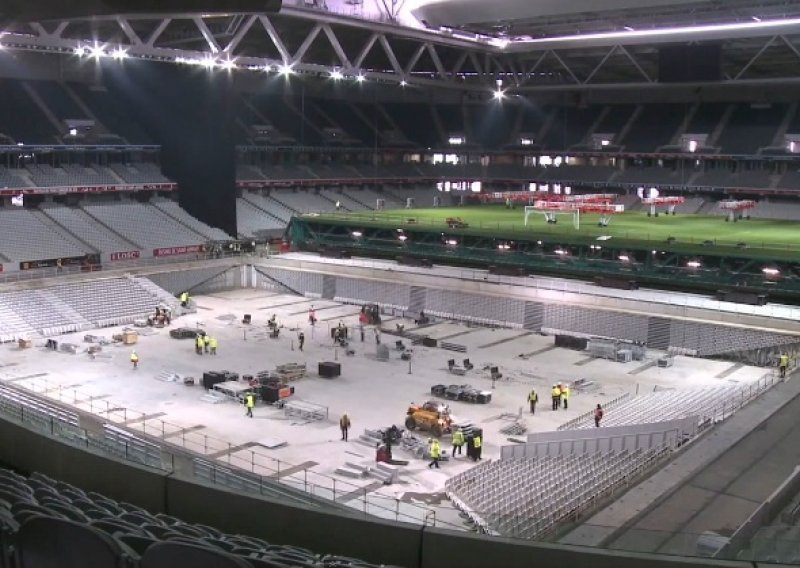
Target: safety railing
{"type": "Point", "coordinates": [147, 434]}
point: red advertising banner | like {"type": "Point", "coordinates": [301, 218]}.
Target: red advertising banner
{"type": "Point", "coordinates": [90, 189]}
{"type": "Point", "coordinates": [1, 268]}
{"type": "Point", "coordinates": [172, 251]}
{"type": "Point", "coordinates": [127, 255]}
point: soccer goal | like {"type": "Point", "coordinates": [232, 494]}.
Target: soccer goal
{"type": "Point", "coordinates": [552, 210]}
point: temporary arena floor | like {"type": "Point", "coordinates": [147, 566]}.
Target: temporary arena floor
{"type": "Point", "coordinates": [375, 394]}
{"type": "Point", "coordinates": [766, 237]}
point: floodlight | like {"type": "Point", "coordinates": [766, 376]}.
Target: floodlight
{"type": "Point", "coordinates": [119, 53]}
{"type": "Point", "coordinates": [356, 234]}
{"type": "Point", "coordinates": [403, 237]}
{"type": "Point", "coordinates": [228, 64]}
{"type": "Point", "coordinates": [360, 78]}
{"type": "Point", "coordinates": [286, 69]}
{"type": "Point", "coordinates": [693, 264]}
{"type": "Point", "coordinates": [560, 252]}
{"type": "Point", "coordinates": [499, 95]}
{"type": "Point", "coordinates": [336, 75]}
{"type": "Point", "coordinates": [624, 258]}
{"type": "Point", "coordinates": [451, 242]}
{"type": "Point", "coordinates": [403, 83]}
{"type": "Point", "coordinates": [73, 131]}
{"type": "Point", "coordinates": [770, 271]}
{"type": "Point", "coordinates": [80, 51]}
{"type": "Point", "coordinates": [97, 51]}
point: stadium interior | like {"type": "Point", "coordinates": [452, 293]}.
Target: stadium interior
{"type": "Point", "coordinates": [262, 266]}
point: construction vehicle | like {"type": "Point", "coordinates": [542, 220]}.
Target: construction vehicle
{"type": "Point", "coordinates": [432, 416]}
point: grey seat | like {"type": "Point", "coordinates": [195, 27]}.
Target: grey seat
{"type": "Point", "coordinates": [46, 542]}
{"type": "Point", "coordinates": [172, 554]}
{"type": "Point", "coordinates": [137, 543]}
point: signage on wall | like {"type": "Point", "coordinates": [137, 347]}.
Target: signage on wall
{"type": "Point", "coordinates": [173, 251]}
{"type": "Point", "coordinates": [127, 255]}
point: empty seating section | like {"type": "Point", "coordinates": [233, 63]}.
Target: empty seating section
{"type": "Point", "coordinates": [706, 118]}
{"type": "Point", "coordinates": [251, 220]}
{"type": "Point", "coordinates": [748, 129]}
{"type": "Point", "coordinates": [21, 119]}
{"type": "Point", "coordinates": [286, 120]}
{"type": "Point", "coordinates": [288, 171]}
{"type": "Point", "coordinates": [246, 172]}
{"type": "Point", "coordinates": [45, 175]}
{"type": "Point", "coordinates": [79, 306]}
{"type": "Point", "coordinates": [789, 180]}
{"type": "Point", "coordinates": [57, 100]}
{"type": "Point", "coordinates": [569, 127]}
{"type": "Point", "coordinates": [12, 178]}
{"type": "Point", "coordinates": [708, 340]}
{"type": "Point", "coordinates": [143, 224]}
{"type": "Point", "coordinates": [706, 404]}
{"type": "Point", "coordinates": [46, 519]}
{"type": "Point", "coordinates": [415, 121]}
{"type": "Point", "coordinates": [344, 116]}
{"type": "Point", "coordinates": [139, 172]}
{"type": "Point", "coordinates": [117, 300]}
{"type": "Point", "coordinates": [653, 175]}
{"type": "Point", "coordinates": [23, 237]}
{"type": "Point", "coordinates": [174, 210]}
{"type": "Point", "coordinates": [422, 196]}
{"type": "Point", "coordinates": [492, 125]}
{"type": "Point", "coordinates": [577, 173]}
{"type": "Point", "coordinates": [346, 202]}
{"type": "Point", "coordinates": [527, 497]}
{"type": "Point", "coordinates": [370, 198]}
{"type": "Point", "coordinates": [271, 206]}
{"type": "Point", "coordinates": [615, 120]}
{"type": "Point", "coordinates": [106, 109]}
{"type": "Point", "coordinates": [304, 201]}
{"type": "Point", "coordinates": [39, 313]}
{"type": "Point", "coordinates": [12, 326]}
{"type": "Point", "coordinates": [777, 209]}
{"type": "Point", "coordinates": [654, 127]}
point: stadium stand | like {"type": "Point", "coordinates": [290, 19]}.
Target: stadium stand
{"type": "Point", "coordinates": [139, 172]}
{"type": "Point", "coordinates": [143, 224]}
{"type": "Point", "coordinates": [106, 109]}
{"type": "Point", "coordinates": [38, 513]}
{"type": "Point", "coordinates": [57, 100]}
{"type": "Point", "coordinates": [414, 120]}
{"type": "Point", "coordinates": [77, 306]}
{"type": "Point", "coordinates": [252, 220]}
{"type": "Point", "coordinates": [345, 200]}
{"type": "Point", "coordinates": [568, 126]}
{"type": "Point", "coordinates": [654, 127]}
{"type": "Point", "coordinates": [174, 210]}
{"type": "Point", "coordinates": [516, 497]}
{"type": "Point", "coordinates": [750, 128]}
{"type": "Point", "coordinates": [21, 119]}
{"type": "Point", "coordinates": [80, 224]}
{"type": "Point", "coordinates": [27, 236]}
{"type": "Point", "coordinates": [270, 205]}
{"type": "Point", "coordinates": [13, 178]}
{"type": "Point", "coordinates": [706, 118]}
{"type": "Point", "coordinates": [304, 201]}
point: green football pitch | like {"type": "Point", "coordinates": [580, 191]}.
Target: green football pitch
{"type": "Point", "coordinates": [690, 233]}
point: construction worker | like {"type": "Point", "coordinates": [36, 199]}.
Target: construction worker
{"type": "Point", "coordinates": [312, 316]}
{"type": "Point", "coordinates": [212, 343]}
{"type": "Point", "coordinates": [478, 443]}
{"type": "Point", "coordinates": [458, 441]}
{"type": "Point", "coordinates": [301, 339]}
{"type": "Point", "coordinates": [598, 416]}
{"type": "Point", "coordinates": [250, 402]}
{"type": "Point", "coordinates": [344, 425]}
{"type": "Point", "coordinates": [184, 297]}
{"type": "Point", "coordinates": [377, 335]}
{"type": "Point", "coordinates": [555, 393]}
{"type": "Point", "coordinates": [533, 398]}
{"type": "Point", "coordinates": [206, 342]}
{"type": "Point", "coordinates": [134, 360]}
{"type": "Point", "coordinates": [783, 364]}
{"type": "Point", "coordinates": [565, 396]}
{"type": "Point", "coordinates": [436, 453]}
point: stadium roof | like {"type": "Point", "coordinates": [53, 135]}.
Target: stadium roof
{"type": "Point", "coordinates": [469, 45]}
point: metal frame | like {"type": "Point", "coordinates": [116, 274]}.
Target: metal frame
{"type": "Point", "coordinates": [292, 40]}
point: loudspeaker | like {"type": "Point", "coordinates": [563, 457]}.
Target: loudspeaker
{"type": "Point", "coordinates": [246, 318]}
{"type": "Point", "coordinates": [329, 369]}
{"type": "Point", "coordinates": [429, 342]}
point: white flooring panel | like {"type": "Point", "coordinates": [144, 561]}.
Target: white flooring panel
{"type": "Point", "coordinates": [375, 394]}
